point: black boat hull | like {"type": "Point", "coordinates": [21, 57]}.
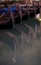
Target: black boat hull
{"type": "Point", "coordinates": [7, 25]}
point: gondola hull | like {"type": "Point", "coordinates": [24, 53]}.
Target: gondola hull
{"type": "Point", "coordinates": [25, 17]}
{"type": "Point", "coordinates": [17, 20]}
{"type": "Point", "coordinates": [7, 25]}
{"type": "Point", "coordinates": [6, 22]}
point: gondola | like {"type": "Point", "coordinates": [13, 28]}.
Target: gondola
{"type": "Point", "coordinates": [5, 19]}
{"type": "Point", "coordinates": [36, 7]}
{"type": "Point", "coordinates": [30, 9]}
{"type": "Point", "coordinates": [16, 16]}
{"type": "Point", "coordinates": [22, 11]}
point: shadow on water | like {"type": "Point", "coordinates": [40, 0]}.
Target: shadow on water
{"type": "Point", "coordinates": [32, 22]}
{"type": "Point", "coordinates": [5, 39]}
{"type": "Point", "coordinates": [38, 36]}
{"type": "Point", "coordinates": [21, 61]}
{"type": "Point", "coordinates": [15, 31]}
{"type": "Point", "coordinates": [23, 28]}
{"type": "Point", "coordinates": [8, 40]}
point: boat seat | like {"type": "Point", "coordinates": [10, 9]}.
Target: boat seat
{"type": "Point", "coordinates": [6, 22]}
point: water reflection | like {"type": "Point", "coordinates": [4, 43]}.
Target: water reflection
{"type": "Point", "coordinates": [18, 49]}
